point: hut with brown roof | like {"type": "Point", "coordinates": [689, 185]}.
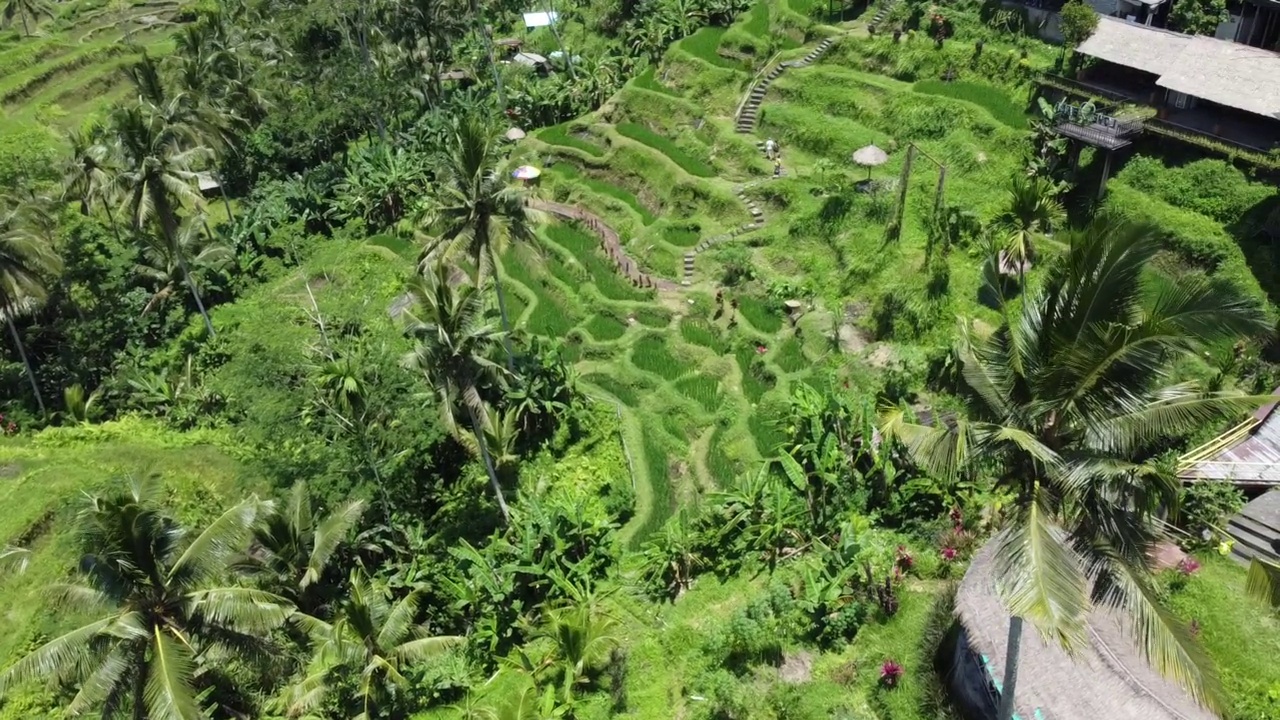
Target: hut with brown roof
{"type": "Point", "coordinates": [1107, 680]}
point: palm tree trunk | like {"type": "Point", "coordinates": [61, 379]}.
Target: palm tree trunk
{"type": "Point", "coordinates": [195, 293]}
{"type": "Point", "coordinates": [1010, 668]}
{"type": "Point", "coordinates": [222, 188]}
{"type": "Point", "coordinates": [488, 46]}
{"type": "Point", "coordinates": [25, 30]}
{"type": "Point", "coordinates": [111, 218]}
{"type": "Point", "coordinates": [26, 363]}
{"type": "Point", "coordinates": [506, 323]}
{"type": "Point", "coordinates": [483, 444]}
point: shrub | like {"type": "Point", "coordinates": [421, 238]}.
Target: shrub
{"type": "Point", "coordinates": [682, 236]}
{"type": "Point", "coordinates": [653, 316]}
{"type": "Point", "coordinates": [1204, 508]}
{"type": "Point", "coordinates": [692, 165]}
{"type": "Point", "coordinates": [790, 356]}
{"type": "Point", "coordinates": [560, 135]}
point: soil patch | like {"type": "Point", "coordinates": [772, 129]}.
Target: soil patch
{"type": "Point", "coordinates": [796, 667]}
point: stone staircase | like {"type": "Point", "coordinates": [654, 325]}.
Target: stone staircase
{"type": "Point", "coordinates": [757, 221]}
{"type": "Point", "coordinates": [885, 7]}
{"type": "Point", "coordinates": [749, 114]}
{"type": "Point", "coordinates": [1256, 530]}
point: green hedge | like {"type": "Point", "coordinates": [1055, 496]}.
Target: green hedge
{"type": "Point", "coordinates": [687, 162]}
{"type": "Point", "coordinates": [1213, 188]}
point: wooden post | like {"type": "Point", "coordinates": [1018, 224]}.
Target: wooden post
{"type": "Point", "coordinates": [942, 182]}
{"type": "Point", "coordinates": [903, 181]}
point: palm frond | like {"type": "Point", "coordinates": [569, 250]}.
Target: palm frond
{"type": "Point", "coordinates": [69, 650]}
{"type": "Point", "coordinates": [415, 651]}
{"type": "Point", "coordinates": [1040, 578]}
{"type": "Point", "coordinates": [1173, 410]}
{"type": "Point", "coordinates": [1162, 637]}
{"type": "Point", "coordinates": [331, 532]}
{"type": "Point", "coordinates": [399, 621]}
{"type": "Point", "coordinates": [224, 537]}
{"type": "Point", "coordinates": [241, 609]}
{"type": "Point", "coordinates": [1263, 582]}
{"type": "Point", "coordinates": [169, 694]}
{"type": "Point", "coordinates": [106, 680]}
{"type": "Point", "coordinates": [940, 451]}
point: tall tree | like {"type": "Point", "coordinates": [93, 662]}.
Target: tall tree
{"type": "Point", "coordinates": [477, 212]}
{"type": "Point", "coordinates": [156, 157]}
{"type": "Point", "coordinates": [1032, 210]}
{"type": "Point", "coordinates": [373, 640]}
{"type": "Point", "coordinates": [453, 344]}
{"type": "Point", "coordinates": [156, 606]}
{"type": "Point", "coordinates": [87, 174]}
{"type": "Point", "coordinates": [1067, 403]}
{"type": "Point", "coordinates": [28, 11]}
{"type": "Point", "coordinates": [162, 264]}
{"type": "Point", "coordinates": [27, 258]}
{"type": "Point", "coordinates": [294, 546]}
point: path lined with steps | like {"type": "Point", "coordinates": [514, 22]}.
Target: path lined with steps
{"type": "Point", "coordinates": [757, 221]}
{"type": "Point", "coordinates": [610, 242]}
{"type": "Point", "coordinates": [748, 115]}
{"type": "Point", "coordinates": [885, 7]}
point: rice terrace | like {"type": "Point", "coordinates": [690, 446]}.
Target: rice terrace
{"type": "Point", "coordinates": [696, 359]}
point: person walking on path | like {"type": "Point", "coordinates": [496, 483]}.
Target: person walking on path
{"type": "Point", "coordinates": [777, 167]}
{"type": "Point", "coordinates": [770, 148]}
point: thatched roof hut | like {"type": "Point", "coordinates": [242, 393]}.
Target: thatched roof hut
{"type": "Point", "coordinates": [1107, 680]}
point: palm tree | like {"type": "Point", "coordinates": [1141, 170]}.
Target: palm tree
{"type": "Point", "coordinates": [1065, 405]}
{"type": "Point", "coordinates": [452, 353]}
{"type": "Point", "coordinates": [580, 639]}
{"type": "Point", "coordinates": [26, 258]}
{"type": "Point", "coordinates": [158, 615]}
{"type": "Point", "coordinates": [156, 157]}
{"type": "Point", "coordinates": [294, 547]}
{"type": "Point", "coordinates": [372, 639]}
{"type": "Point", "coordinates": [477, 213]}
{"type": "Point", "coordinates": [24, 9]}
{"type": "Point", "coordinates": [162, 264]}
{"type": "Point", "coordinates": [87, 174]}
{"type": "Point", "coordinates": [1033, 210]}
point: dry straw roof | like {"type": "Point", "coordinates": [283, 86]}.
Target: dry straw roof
{"type": "Point", "coordinates": [1107, 680]}
{"type": "Point", "coordinates": [1136, 46]}
{"type": "Point", "coordinates": [1227, 73]}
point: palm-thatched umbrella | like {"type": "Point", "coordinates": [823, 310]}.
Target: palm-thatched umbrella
{"type": "Point", "coordinates": [514, 134]}
{"type": "Point", "coordinates": [869, 157]}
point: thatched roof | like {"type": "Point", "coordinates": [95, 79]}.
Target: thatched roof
{"type": "Point", "coordinates": [1237, 76]}
{"type": "Point", "coordinates": [1107, 680]}
{"type": "Point", "coordinates": [1136, 46]}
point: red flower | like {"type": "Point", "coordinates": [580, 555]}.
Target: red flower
{"type": "Point", "coordinates": [890, 673]}
{"type": "Point", "coordinates": [1188, 566]}
{"type": "Point", "coordinates": [761, 349]}
{"type": "Point", "coordinates": [949, 554]}
{"type": "Point", "coordinates": [905, 561]}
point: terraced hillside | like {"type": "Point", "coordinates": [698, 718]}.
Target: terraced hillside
{"type": "Point", "coordinates": [68, 69]}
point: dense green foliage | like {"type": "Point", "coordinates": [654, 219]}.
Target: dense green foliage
{"type": "Point", "coordinates": [442, 454]}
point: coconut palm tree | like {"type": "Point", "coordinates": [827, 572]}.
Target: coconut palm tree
{"type": "Point", "coordinates": [156, 157]}
{"type": "Point", "coordinates": [1032, 211]}
{"type": "Point", "coordinates": [87, 174]}
{"type": "Point", "coordinates": [27, 258]}
{"type": "Point", "coordinates": [477, 213]}
{"type": "Point", "coordinates": [162, 264]}
{"type": "Point", "coordinates": [580, 638]}
{"type": "Point", "coordinates": [158, 614]}
{"type": "Point", "coordinates": [454, 342]}
{"type": "Point", "coordinates": [24, 10]}
{"type": "Point", "coordinates": [373, 640]}
{"type": "Point", "coordinates": [293, 546]}
{"type": "Point", "coordinates": [1065, 404]}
